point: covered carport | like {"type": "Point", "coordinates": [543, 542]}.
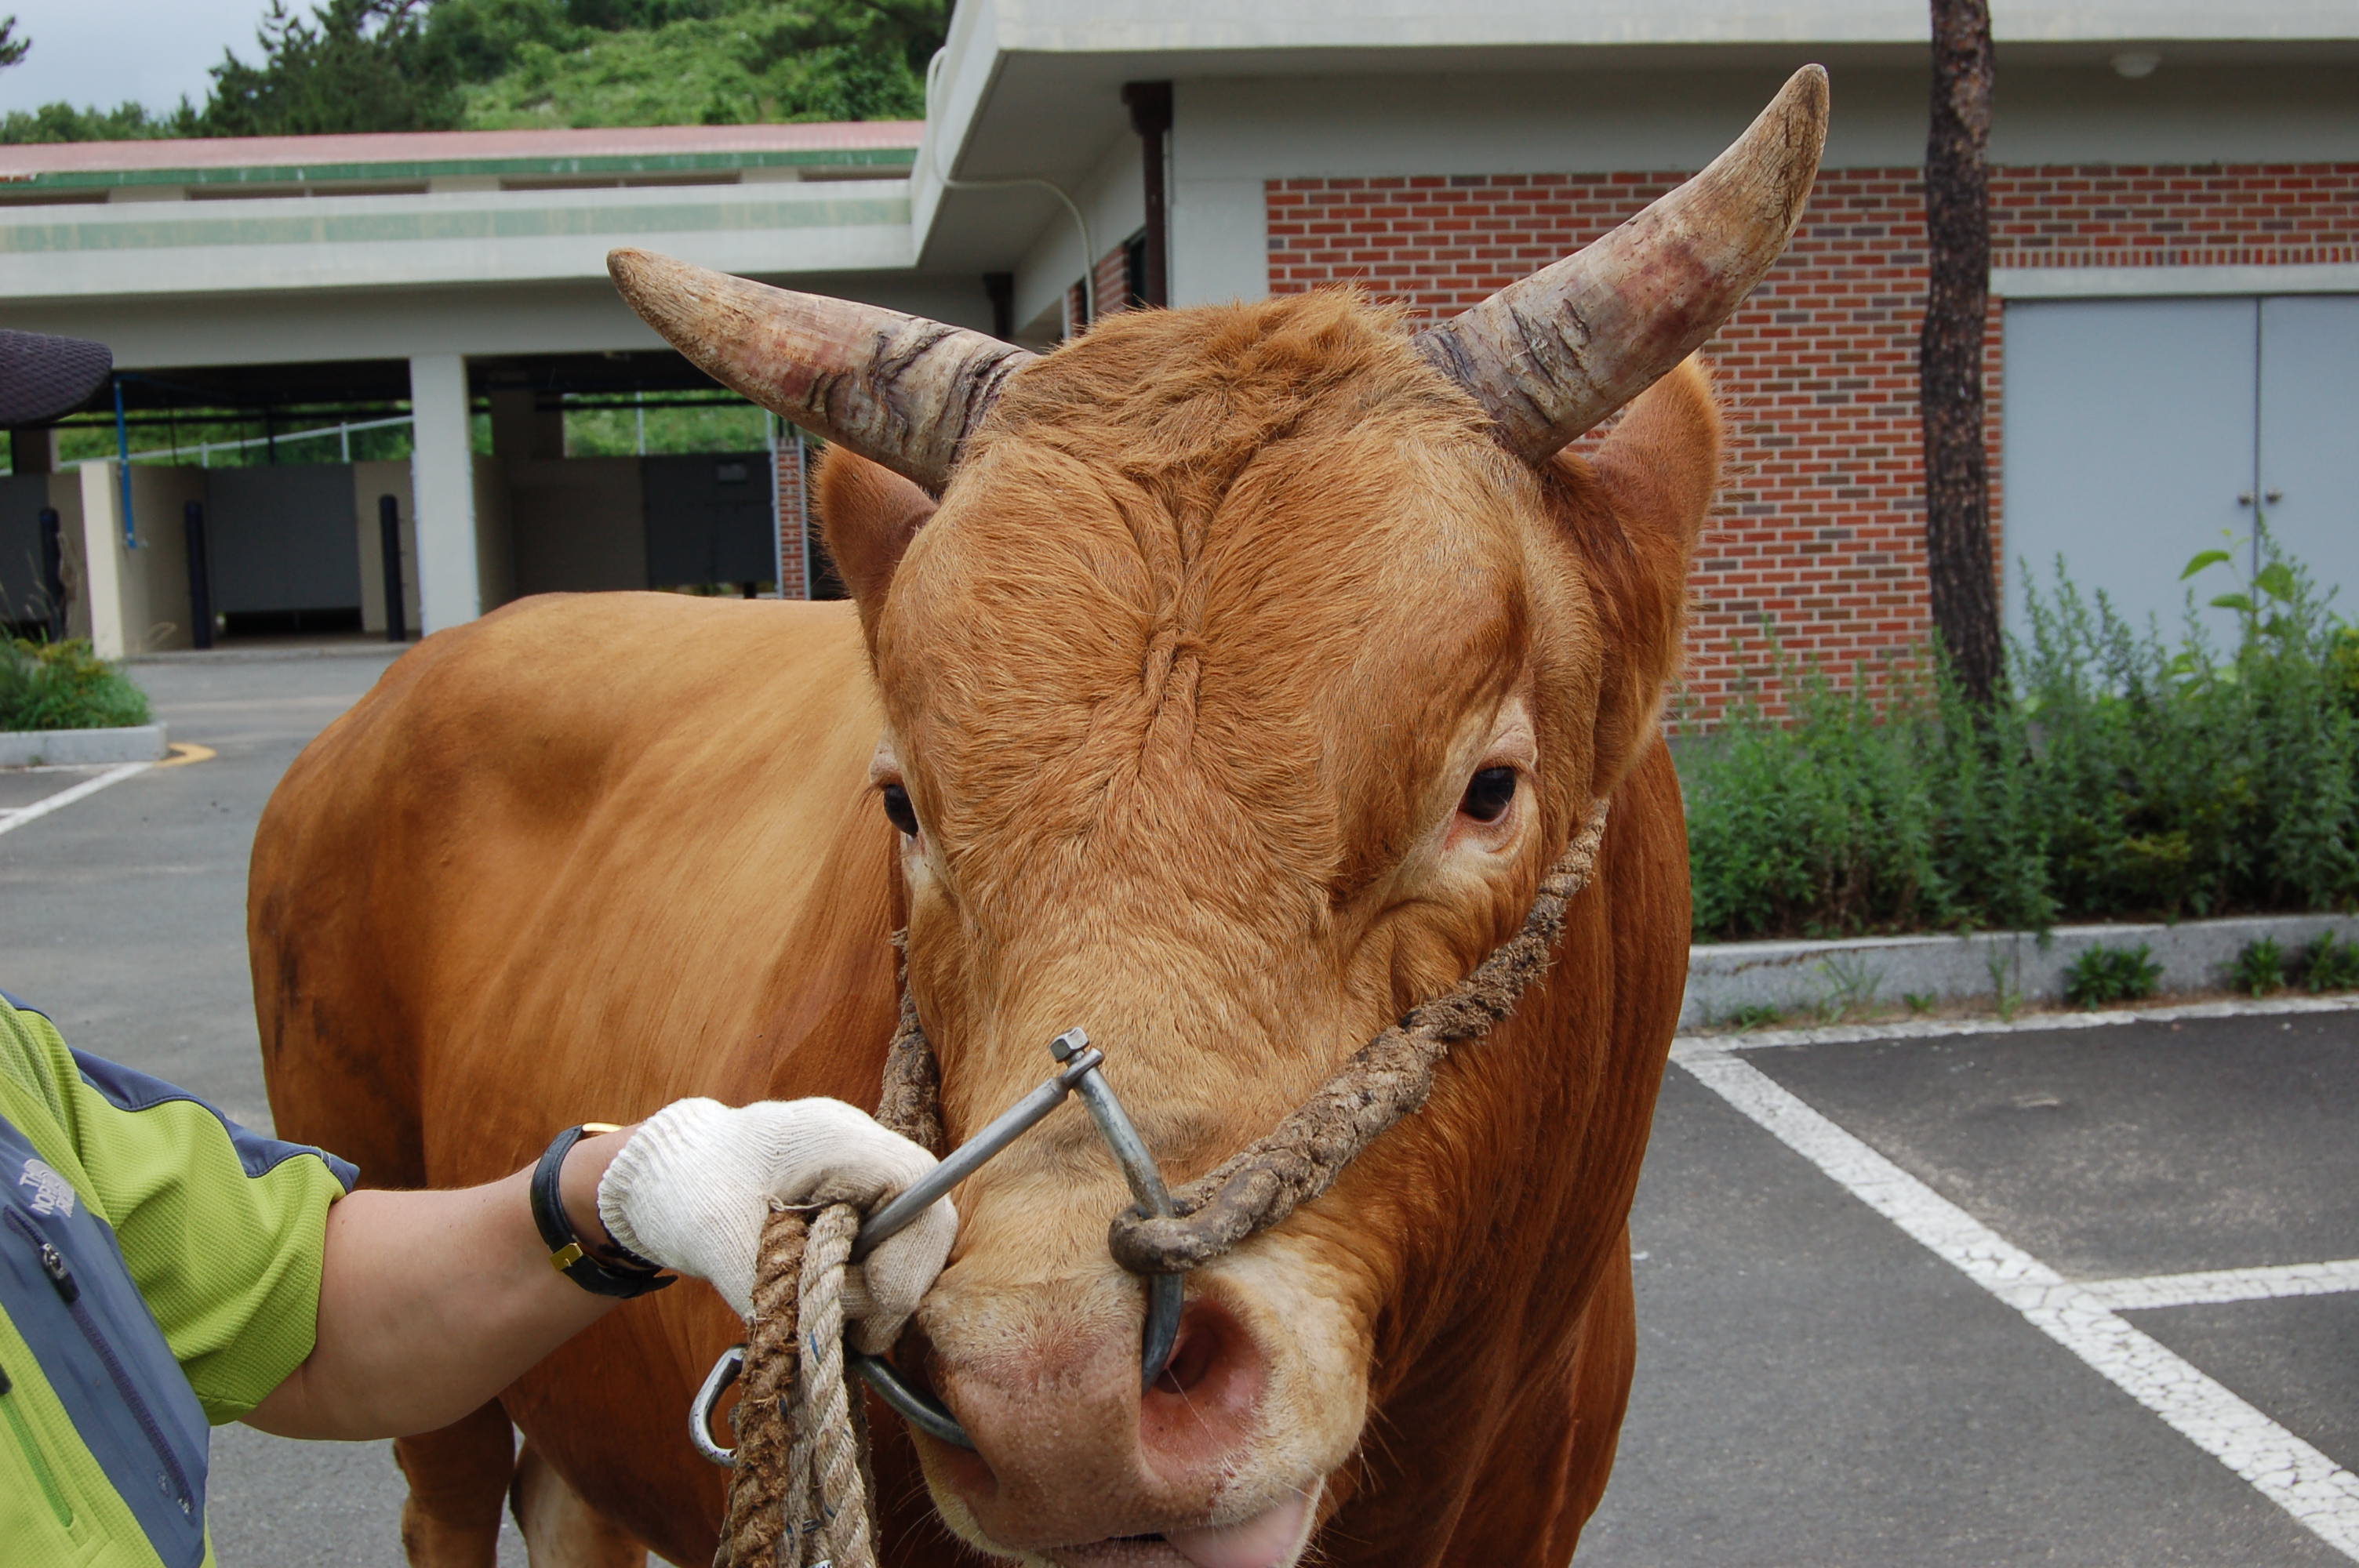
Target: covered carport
{"type": "Point", "coordinates": [452, 282]}
{"type": "Point", "coordinates": [310, 527]}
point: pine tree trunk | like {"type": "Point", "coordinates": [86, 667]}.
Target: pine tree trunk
{"type": "Point", "coordinates": [1949, 359]}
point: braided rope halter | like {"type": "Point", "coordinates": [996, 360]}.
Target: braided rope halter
{"type": "Point", "coordinates": [799, 1489]}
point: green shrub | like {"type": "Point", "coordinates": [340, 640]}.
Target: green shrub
{"type": "Point", "coordinates": [64, 685]}
{"type": "Point", "coordinates": [2328, 964]}
{"type": "Point", "coordinates": [2102, 975]}
{"type": "Point", "coordinates": [2122, 777]}
{"type": "Point", "coordinates": [2259, 968]}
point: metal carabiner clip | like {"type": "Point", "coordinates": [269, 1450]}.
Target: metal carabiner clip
{"type": "Point", "coordinates": [1077, 1074]}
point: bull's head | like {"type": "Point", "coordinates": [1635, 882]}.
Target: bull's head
{"type": "Point", "coordinates": [1252, 665]}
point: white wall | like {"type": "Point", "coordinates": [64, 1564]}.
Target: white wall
{"type": "Point", "coordinates": [138, 599]}
{"type": "Point", "coordinates": [1593, 122]}
{"type": "Point", "coordinates": [372, 478]}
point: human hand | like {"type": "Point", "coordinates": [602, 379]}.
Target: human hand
{"type": "Point", "coordinates": [694, 1186]}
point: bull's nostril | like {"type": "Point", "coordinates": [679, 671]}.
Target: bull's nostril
{"type": "Point", "coordinates": [1192, 1357]}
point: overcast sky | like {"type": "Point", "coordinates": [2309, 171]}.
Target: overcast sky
{"type": "Point", "coordinates": [104, 51]}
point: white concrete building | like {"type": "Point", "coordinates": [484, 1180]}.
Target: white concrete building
{"type": "Point", "coordinates": [2176, 248]}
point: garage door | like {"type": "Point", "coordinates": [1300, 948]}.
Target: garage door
{"type": "Point", "coordinates": [283, 539]}
{"type": "Point", "coordinates": [2139, 432]}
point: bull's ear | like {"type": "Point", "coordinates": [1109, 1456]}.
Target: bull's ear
{"type": "Point", "coordinates": [867, 514]}
{"type": "Point", "coordinates": [1634, 509]}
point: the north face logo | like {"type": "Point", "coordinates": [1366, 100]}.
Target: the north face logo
{"type": "Point", "coordinates": [52, 1193]}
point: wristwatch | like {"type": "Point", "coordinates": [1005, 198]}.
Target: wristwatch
{"type": "Point", "coordinates": [632, 1275]}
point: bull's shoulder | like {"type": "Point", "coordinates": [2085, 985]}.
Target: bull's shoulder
{"type": "Point", "coordinates": [533, 713]}
{"type": "Point", "coordinates": [629, 665]}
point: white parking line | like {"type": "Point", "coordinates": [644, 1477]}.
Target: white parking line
{"type": "Point", "coordinates": [2316, 1491]}
{"type": "Point", "coordinates": [2226, 1285]}
{"type": "Point", "coordinates": [12, 820]}
{"type": "Point", "coordinates": [2026, 1024]}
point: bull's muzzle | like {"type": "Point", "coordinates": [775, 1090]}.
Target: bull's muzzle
{"type": "Point", "coordinates": [1078, 1073]}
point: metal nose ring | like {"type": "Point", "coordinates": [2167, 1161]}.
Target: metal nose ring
{"type": "Point", "coordinates": [1078, 1073]}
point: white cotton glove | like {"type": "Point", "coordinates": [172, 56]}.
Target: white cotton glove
{"type": "Point", "coordinates": [693, 1187]}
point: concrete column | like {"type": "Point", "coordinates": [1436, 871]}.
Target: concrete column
{"type": "Point", "coordinates": [442, 478]}
{"type": "Point", "coordinates": [102, 554]}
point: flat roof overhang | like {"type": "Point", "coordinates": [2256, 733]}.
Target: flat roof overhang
{"type": "Point", "coordinates": [1033, 88]}
{"type": "Point", "coordinates": [146, 250]}
{"type": "Point", "coordinates": [218, 162]}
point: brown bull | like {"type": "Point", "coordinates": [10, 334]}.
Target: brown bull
{"type": "Point", "coordinates": [1254, 665]}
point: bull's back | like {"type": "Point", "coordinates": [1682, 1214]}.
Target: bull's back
{"type": "Point", "coordinates": [571, 861]}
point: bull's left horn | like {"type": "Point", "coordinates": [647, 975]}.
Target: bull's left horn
{"type": "Point", "coordinates": [899, 390]}
{"type": "Point", "coordinates": [1553, 354]}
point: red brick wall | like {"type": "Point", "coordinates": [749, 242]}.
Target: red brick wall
{"type": "Point", "coordinates": [1820, 528]}
{"type": "Point", "coordinates": [1110, 279]}
{"type": "Point", "coordinates": [793, 516]}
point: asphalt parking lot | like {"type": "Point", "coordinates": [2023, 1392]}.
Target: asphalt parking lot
{"type": "Point", "coordinates": [2082, 1297]}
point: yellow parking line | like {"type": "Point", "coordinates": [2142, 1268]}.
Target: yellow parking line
{"type": "Point", "coordinates": [183, 752]}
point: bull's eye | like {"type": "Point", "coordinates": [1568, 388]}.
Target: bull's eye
{"type": "Point", "coordinates": [897, 807]}
{"type": "Point", "coordinates": [1489, 794]}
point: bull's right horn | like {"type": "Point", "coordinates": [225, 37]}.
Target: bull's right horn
{"type": "Point", "coordinates": [1550, 356]}
{"type": "Point", "coordinates": [898, 390]}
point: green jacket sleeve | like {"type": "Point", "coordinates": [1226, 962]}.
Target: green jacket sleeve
{"type": "Point", "coordinates": [224, 1230]}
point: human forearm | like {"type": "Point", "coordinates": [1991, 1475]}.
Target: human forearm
{"type": "Point", "coordinates": [430, 1302]}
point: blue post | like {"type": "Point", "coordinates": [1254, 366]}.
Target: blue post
{"type": "Point", "coordinates": [123, 461]}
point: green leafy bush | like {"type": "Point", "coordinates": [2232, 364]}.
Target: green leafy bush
{"type": "Point", "coordinates": [2329, 963]}
{"type": "Point", "coordinates": [64, 685]}
{"type": "Point", "coordinates": [2259, 969]}
{"type": "Point", "coordinates": [2122, 777]}
{"type": "Point", "coordinates": [2102, 975]}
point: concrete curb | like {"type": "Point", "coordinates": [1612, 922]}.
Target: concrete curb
{"type": "Point", "coordinates": [1832, 978]}
{"type": "Point", "coordinates": [1687, 1045]}
{"type": "Point", "coordinates": [80, 748]}
{"type": "Point", "coordinates": [272, 655]}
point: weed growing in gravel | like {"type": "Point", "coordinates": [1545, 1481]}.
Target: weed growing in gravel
{"type": "Point", "coordinates": [2102, 975]}
{"type": "Point", "coordinates": [64, 685]}
{"type": "Point", "coordinates": [2124, 776]}
{"type": "Point", "coordinates": [2005, 971]}
{"type": "Point", "coordinates": [1851, 986]}
{"type": "Point", "coordinates": [1753, 1015]}
{"type": "Point", "coordinates": [2330, 965]}
{"type": "Point", "coordinates": [2259, 969]}
{"type": "Point", "coordinates": [1919, 1002]}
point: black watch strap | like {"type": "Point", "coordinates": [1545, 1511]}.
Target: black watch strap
{"type": "Point", "coordinates": [567, 1252]}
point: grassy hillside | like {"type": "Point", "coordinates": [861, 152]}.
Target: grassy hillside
{"type": "Point", "coordinates": [760, 62]}
{"type": "Point", "coordinates": [415, 65]}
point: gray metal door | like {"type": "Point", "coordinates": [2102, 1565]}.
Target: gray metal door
{"type": "Point", "coordinates": [24, 597]}
{"type": "Point", "coordinates": [283, 539]}
{"type": "Point", "coordinates": [2129, 440]}
{"type": "Point", "coordinates": [2309, 435]}
{"type": "Point", "coordinates": [708, 519]}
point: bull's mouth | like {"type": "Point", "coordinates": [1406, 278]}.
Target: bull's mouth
{"type": "Point", "coordinates": [1273, 1538]}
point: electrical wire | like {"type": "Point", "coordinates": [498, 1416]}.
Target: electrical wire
{"type": "Point", "coordinates": [1089, 252]}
